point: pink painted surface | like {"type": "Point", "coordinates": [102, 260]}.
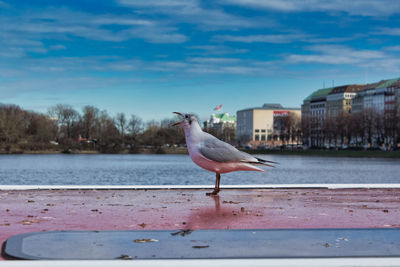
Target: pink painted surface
{"type": "Point", "coordinates": [46, 210]}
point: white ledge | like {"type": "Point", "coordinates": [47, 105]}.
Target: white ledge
{"type": "Point", "coordinates": [316, 262]}
{"type": "Point", "coordinates": [157, 187]}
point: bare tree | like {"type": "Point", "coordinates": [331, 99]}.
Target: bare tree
{"type": "Point", "coordinates": [369, 120]}
{"type": "Point", "coordinates": [90, 121]}
{"type": "Point", "coordinates": [294, 127]}
{"type": "Point", "coordinates": [391, 122]}
{"type": "Point", "coordinates": [65, 116]}
{"type": "Point", "coordinates": [12, 123]}
{"type": "Point", "coordinates": [358, 133]}
{"type": "Point", "coordinates": [306, 129]}
{"type": "Point", "coordinates": [281, 128]}
{"type": "Point", "coordinates": [107, 135]}
{"type": "Point", "coordinates": [121, 123]}
{"type": "Point", "coordinates": [329, 130]}
{"type": "Point", "coordinates": [135, 126]}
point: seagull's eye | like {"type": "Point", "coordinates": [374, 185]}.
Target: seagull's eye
{"type": "Point", "coordinates": [186, 116]}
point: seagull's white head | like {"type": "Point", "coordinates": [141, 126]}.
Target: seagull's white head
{"type": "Point", "coordinates": [187, 120]}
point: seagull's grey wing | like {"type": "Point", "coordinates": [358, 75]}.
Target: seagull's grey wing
{"type": "Point", "coordinates": [216, 150]}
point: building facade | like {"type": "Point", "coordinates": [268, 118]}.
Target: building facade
{"type": "Point", "coordinates": [351, 114]}
{"type": "Point", "coordinates": [223, 125]}
{"type": "Point", "coordinates": [396, 88]}
{"type": "Point", "coordinates": [313, 116]}
{"type": "Point", "coordinates": [380, 97]}
{"type": "Point", "coordinates": [340, 99]}
{"type": "Point", "coordinates": [271, 124]}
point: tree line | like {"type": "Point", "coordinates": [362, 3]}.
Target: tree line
{"type": "Point", "coordinates": [64, 128]}
{"type": "Point", "coordinates": [365, 129]}
{"type": "Point", "coordinates": [288, 129]}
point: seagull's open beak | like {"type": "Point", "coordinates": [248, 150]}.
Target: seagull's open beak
{"type": "Point", "coordinates": [179, 122]}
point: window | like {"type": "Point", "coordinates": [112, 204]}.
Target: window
{"type": "Point", "coordinates": [263, 137]}
{"type": "Point", "coordinates": [257, 137]}
{"type": "Point", "coordinates": [263, 130]}
{"type": "Point", "coordinates": [257, 130]}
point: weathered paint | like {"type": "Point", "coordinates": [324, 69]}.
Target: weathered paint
{"type": "Point", "coordinates": [23, 211]}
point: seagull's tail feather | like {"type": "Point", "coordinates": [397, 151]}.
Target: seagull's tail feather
{"type": "Point", "coordinates": [262, 163]}
{"type": "Point", "coordinates": [263, 160]}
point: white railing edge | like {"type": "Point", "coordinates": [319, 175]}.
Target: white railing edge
{"type": "Point", "coordinates": [295, 262]}
{"type": "Point", "coordinates": [155, 187]}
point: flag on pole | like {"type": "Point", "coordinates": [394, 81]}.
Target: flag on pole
{"type": "Point", "coordinates": [218, 108]}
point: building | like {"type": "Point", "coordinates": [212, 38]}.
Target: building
{"type": "Point", "coordinates": [380, 97]}
{"type": "Point", "coordinates": [223, 125]}
{"type": "Point", "coordinates": [313, 113]}
{"type": "Point", "coordinates": [396, 88]}
{"type": "Point", "coordinates": [271, 124]}
{"type": "Point", "coordinates": [323, 110]}
{"type": "Point", "coordinates": [390, 89]}
{"type": "Point", "coordinates": [340, 99]}
{"type": "Point", "coordinates": [358, 101]}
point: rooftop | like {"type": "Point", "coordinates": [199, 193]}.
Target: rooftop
{"type": "Point", "coordinates": [370, 86]}
{"type": "Point", "coordinates": [352, 88]}
{"type": "Point", "coordinates": [387, 83]}
{"type": "Point", "coordinates": [319, 93]}
{"type": "Point", "coordinates": [396, 84]}
{"type": "Point", "coordinates": [270, 106]}
{"type": "Point", "coordinates": [346, 89]}
{"type": "Point", "coordinates": [225, 117]}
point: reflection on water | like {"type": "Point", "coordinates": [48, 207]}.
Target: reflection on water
{"type": "Point", "coordinates": [211, 216]}
{"type": "Point", "coordinates": [179, 169]}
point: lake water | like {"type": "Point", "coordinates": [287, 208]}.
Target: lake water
{"type": "Point", "coordinates": [102, 169]}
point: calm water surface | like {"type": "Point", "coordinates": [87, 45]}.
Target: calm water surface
{"type": "Point", "coordinates": [180, 170]}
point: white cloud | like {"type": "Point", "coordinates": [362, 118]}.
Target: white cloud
{"type": "Point", "coordinates": [388, 31]}
{"type": "Point", "coordinates": [214, 65]}
{"type": "Point", "coordinates": [112, 20]}
{"type": "Point", "coordinates": [3, 4]}
{"type": "Point", "coordinates": [335, 54]}
{"type": "Point", "coordinates": [267, 38]}
{"type": "Point", "coordinates": [343, 55]}
{"type": "Point", "coordinates": [283, 38]}
{"type": "Point", "coordinates": [62, 74]}
{"type": "Point", "coordinates": [213, 60]}
{"type": "Point", "coordinates": [393, 48]}
{"type": "Point", "coordinates": [215, 50]}
{"type": "Point", "coordinates": [23, 33]}
{"type": "Point", "coordinates": [333, 39]}
{"type": "Point", "coordinates": [57, 47]}
{"type": "Point", "coordinates": [195, 12]}
{"type": "Point", "coordinates": [157, 35]}
{"type": "Point", "coordinates": [353, 7]}
{"type": "Point", "coordinates": [52, 86]}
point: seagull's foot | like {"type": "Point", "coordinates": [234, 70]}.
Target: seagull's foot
{"type": "Point", "coordinates": [213, 193]}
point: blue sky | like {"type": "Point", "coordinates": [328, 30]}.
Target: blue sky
{"type": "Point", "coordinates": [153, 57]}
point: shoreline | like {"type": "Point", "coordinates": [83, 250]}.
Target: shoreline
{"type": "Point", "coordinates": [183, 151]}
{"type": "Point", "coordinates": [330, 153]}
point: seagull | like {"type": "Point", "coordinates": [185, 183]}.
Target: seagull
{"type": "Point", "coordinates": [214, 155]}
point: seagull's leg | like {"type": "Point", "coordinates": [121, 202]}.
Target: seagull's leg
{"type": "Point", "coordinates": [216, 189]}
